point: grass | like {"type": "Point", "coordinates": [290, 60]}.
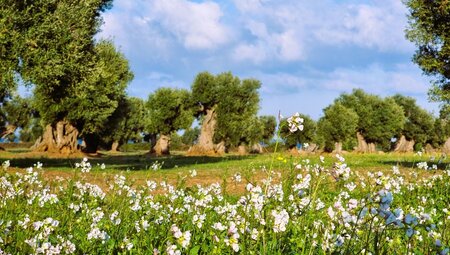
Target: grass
{"type": "Point", "coordinates": [138, 165]}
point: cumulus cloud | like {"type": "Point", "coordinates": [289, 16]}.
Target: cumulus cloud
{"type": "Point", "coordinates": [377, 25]}
{"type": "Point", "coordinates": [289, 31]}
{"type": "Point", "coordinates": [196, 25]}
{"type": "Point", "coordinates": [376, 79]}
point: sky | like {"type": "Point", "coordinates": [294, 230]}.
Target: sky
{"type": "Point", "coordinates": [305, 53]}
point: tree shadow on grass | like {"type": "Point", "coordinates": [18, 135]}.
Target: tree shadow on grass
{"type": "Point", "coordinates": [124, 162]}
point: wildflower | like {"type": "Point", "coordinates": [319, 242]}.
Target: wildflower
{"type": "Point", "coordinates": [281, 219]}
{"type": "Point", "coordinates": [237, 178]}
{"type": "Point", "coordinates": [84, 165]}
{"type": "Point", "coordinates": [172, 250]}
{"type": "Point", "coordinates": [193, 173]}
{"type": "Point", "coordinates": [6, 164]}
{"type": "Point", "coordinates": [295, 123]}
{"type": "Point", "coordinates": [254, 234]}
{"type": "Point", "coordinates": [422, 165]}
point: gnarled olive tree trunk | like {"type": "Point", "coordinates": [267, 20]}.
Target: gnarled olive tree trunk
{"type": "Point", "coordinates": [162, 145]}
{"type": "Point", "coordinates": [363, 146]}
{"type": "Point", "coordinates": [114, 146]}
{"type": "Point", "coordinates": [404, 145]}
{"type": "Point", "coordinates": [242, 149]}
{"type": "Point", "coordinates": [9, 129]}
{"type": "Point", "coordinates": [446, 146]}
{"type": "Point", "coordinates": [205, 144]}
{"type": "Point", "coordinates": [257, 148]}
{"type": "Point", "coordinates": [338, 147]}
{"type": "Point", "coordinates": [59, 138]}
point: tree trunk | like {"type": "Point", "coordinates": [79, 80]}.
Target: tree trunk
{"type": "Point", "coordinates": [371, 148]}
{"type": "Point", "coordinates": [242, 149]}
{"type": "Point", "coordinates": [338, 147]}
{"type": "Point", "coordinates": [114, 146]}
{"type": "Point", "coordinates": [162, 145]}
{"type": "Point", "coordinates": [446, 146]}
{"type": "Point", "coordinates": [220, 148]}
{"type": "Point", "coordinates": [9, 129]}
{"type": "Point", "coordinates": [404, 145]}
{"type": "Point", "coordinates": [92, 142]}
{"type": "Point", "coordinates": [362, 144]}
{"type": "Point", "coordinates": [60, 138]}
{"type": "Point", "coordinates": [205, 144]}
{"type": "Point", "coordinates": [429, 148]}
{"type": "Point", "coordinates": [257, 148]}
{"type": "Point", "coordinates": [312, 148]}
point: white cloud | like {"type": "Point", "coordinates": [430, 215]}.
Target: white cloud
{"type": "Point", "coordinates": [376, 79]}
{"type": "Point", "coordinates": [248, 5]}
{"type": "Point", "coordinates": [289, 31]}
{"type": "Point", "coordinates": [378, 25]}
{"type": "Point", "coordinates": [162, 23]}
{"type": "Point", "coordinates": [196, 25]}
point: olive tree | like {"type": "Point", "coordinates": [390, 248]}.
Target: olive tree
{"type": "Point", "coordinates": [53, 49]}
{"type": "Point", "coordinates": [168, 110]}
{"type": "Point", "coordinates": [338, 125]}
{"type": "Point", "coordinates": [379, 119]}
{"type": "Point", "coordinates": [418, 124]}
{"type": "Point", "coordinates": [220, 100]}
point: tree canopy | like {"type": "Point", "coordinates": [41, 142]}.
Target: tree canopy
{"type": "Point", "coordinates": [50, 45]}
{"type": "Point", "coordinates": [429, 29]}
{"type": "Point", "coordinates": [168, 110]}
{"type": "Point", "coordinates": [379, 119]}
{"type": "Point", "coordinates": [338, 124]}
{"type": "Point", "coordinates": [126, 123]}
{"type": "Point", "coordinates": [418, 123]}
{"type": "Point", "coordinates": [237, 123]}
{"type": "Point", "coordinates": [224, 105]}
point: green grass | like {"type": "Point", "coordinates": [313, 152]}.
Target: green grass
{"type": "Point", "coordinates": [140, 161]}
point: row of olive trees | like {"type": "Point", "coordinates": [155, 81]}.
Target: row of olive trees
{"type": "Point", "coordinates": [225, 106]}
{"type": "Point", "coordinates": [363, 122]}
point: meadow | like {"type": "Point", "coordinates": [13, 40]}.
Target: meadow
{"type": "Point", "coordinates": [257, 204]}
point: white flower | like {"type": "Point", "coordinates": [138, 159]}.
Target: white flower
{"type": "Point", "coordinates": [6, 164]}
{"type": "Point", "coordinates": [254, 234]}
{"type": "Point", "coordinates": [352, 203]}
{"type": "Point", "coordinates": [322, 159]}
{"type": "Point", "coordinates": [84, 165]}
{"type": "Point", "coordinates": [172, 250]}
{"type": "Point", "coordinates": [237, 178]}
{"type": "Point", "coordinates": [281, 219]}
{"type": "Point", "coordinates": [295, 123]}
{"type": "Point", "coordinates": [193, 173]}
{"type": "Point", "coordinates": [218, 226]}
{"type": "Point", "coordinates": [422, 165]}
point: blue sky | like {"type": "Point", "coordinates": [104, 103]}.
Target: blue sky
{"type": "Point", "coordinates": [304, 52]}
